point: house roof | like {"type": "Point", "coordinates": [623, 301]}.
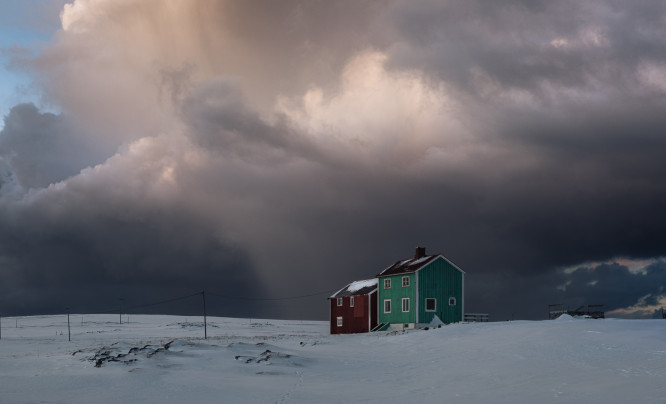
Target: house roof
{"type": "Point", "coordinates": [413, 265]}
{"type": "Point", "coordinates": [408, 265]}
{"type": "Point", "coordinates": [357, 288]}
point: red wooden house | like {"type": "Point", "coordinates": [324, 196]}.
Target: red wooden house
{"type": "Point", "coordinates": [354, 308]}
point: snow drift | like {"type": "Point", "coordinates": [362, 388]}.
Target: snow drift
{"type": "Point", "coordinates": [164, 359]}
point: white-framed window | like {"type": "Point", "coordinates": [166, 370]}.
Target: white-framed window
{"type": "Point", "coordinates": [405, 304]}
{"type": "Point", "coordinates": [405, 281]}
{"type": "Point", "coordinates": [351, 301]}
{"type": "Point", "coordinates": [339, 301]}
{"type": "Point", "coordinates": [452, 301]}
{"type": "Point", "coordinates": [387, 283]}
{"type": "Point", "coordinates": [339, 321]}
{"type": "Point", "coordinates": [431, 304]}
{"type": "Point", "coordinates": [387, 306]}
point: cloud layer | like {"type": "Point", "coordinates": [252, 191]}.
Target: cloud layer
{"type": "Point", "coordinates": [280, 149]}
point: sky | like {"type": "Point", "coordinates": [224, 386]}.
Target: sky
{"type": "Point", "coordinates": [265, 150]}
{"type": "Point", "coordinates": [25, 27]}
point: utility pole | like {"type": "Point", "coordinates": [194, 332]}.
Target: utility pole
{"type": "Point", "coordinates": [69, 332]}
{"type": "Point", "coordinates": [203, 295]}
{"type": "Point", "coordinates": [120, 311]}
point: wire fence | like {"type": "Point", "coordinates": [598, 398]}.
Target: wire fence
{"type": "Point", "coordinates": [121, 309]}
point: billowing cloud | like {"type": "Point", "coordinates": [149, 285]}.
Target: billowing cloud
{"type": "Point", "coordinates": [280, 149]}
{"type": "Point", "coordinates": [42, 149]}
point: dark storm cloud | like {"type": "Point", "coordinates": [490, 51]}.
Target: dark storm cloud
{"type": "Point", "coordinates": [41, 148]}
{"type": "Point", "coordinates": [587, 121]}
{"type": "Point", "coordinates": [281, 149]}
{"type": "Point", "coordinates": [612, 285]}
{"type": "Point", "coordinates": [523, 44]}
{"type": "Point", "coordinates": [614, 280]}
{"type": "Point", "coordinates": [86, 250]}
{"type": "Point", "coordinates": [219, 119]}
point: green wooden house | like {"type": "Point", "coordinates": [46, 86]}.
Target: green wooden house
{"type": "Point", "coordinates": [412, 292]}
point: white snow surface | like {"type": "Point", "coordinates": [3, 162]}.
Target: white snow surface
{"type": "Point", "coordinates": [358, 285]}
{"type": "Point", "coordinates": [436, 321]}
{"type": "Point", "coordinates": [164, 359]}
{"type": "Point", "coordinates": [420, 260]}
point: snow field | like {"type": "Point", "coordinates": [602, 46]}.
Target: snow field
{"type": "Point", "coordinates": [164, 359]}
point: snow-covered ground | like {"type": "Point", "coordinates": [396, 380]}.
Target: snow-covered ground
{"type": "Point", "coordinates": [164, 359]}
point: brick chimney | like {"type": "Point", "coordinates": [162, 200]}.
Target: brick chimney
{"type": "Point", "coordinates": [420, 253]}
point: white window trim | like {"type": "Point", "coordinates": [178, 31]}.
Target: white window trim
{"type": "Point", "coordinates": [339, 301]}
{"type": "Point", "coordinates": [405, 278]}
{"type": "Point", "coordinates": [387, 283]}
{"type": "Point", "coordinates": [405, 299]}
{"type": "Point", "coordinates": [339, 321]}
{"type": "Point", "coordinates": [452, 299]}
{"type": "Point", "coordinates": [426, 304]}
{"type": "Point", "coordinates": [351, 301]}
{"type": "Point", "coordinates": [389, 306]}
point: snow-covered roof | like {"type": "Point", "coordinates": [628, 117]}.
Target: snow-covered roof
{"type": "Point", "coordinates": [413, 265]}
{"type": "Point", "coordinates": [357, 288]}
{"type": "Point", "coordinates": [410, 265]}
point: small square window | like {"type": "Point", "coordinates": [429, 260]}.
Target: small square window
{"type": "Point", "coordinates": [339, 301]}
{"type": "Point", "coordinates": [351, 301]}
{"type": "Point", "coordinates": [452, 301]}
{"type": "Point", "coordinates": [431, 304]}
{"type": "Point", "coordinates": [405, 281]}
{"type": "Point", "coordinates": [387, 283]}
{"type": "Point", "coordinates": [405, 304]}
{"type": "Point", "coordinates": [387, 306]}
{"type": "Point", "coordinates": [339, 321]}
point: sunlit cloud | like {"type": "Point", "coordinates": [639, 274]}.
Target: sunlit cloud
{"type": "Point", "coordinates": [647, 306]}
{"type": "Point", "coordinates": [379, 115]}
{"type": "Point", "coordinates": [635, 266]}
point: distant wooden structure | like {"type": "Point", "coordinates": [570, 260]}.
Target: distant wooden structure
{"type": "Point", "coordinates": [592, 311]}
{"type": "Point", "coordinates": [475, 317]}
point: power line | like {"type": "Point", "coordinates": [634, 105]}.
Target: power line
{"type": "Point", "coordinates": [126, 309]}
{"type": "Point", "coordinates": [271, 298]}
{"type": "Point", "coordinates": [163, 301]}
{"type": "Point", "coordinates": [223, 296]}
